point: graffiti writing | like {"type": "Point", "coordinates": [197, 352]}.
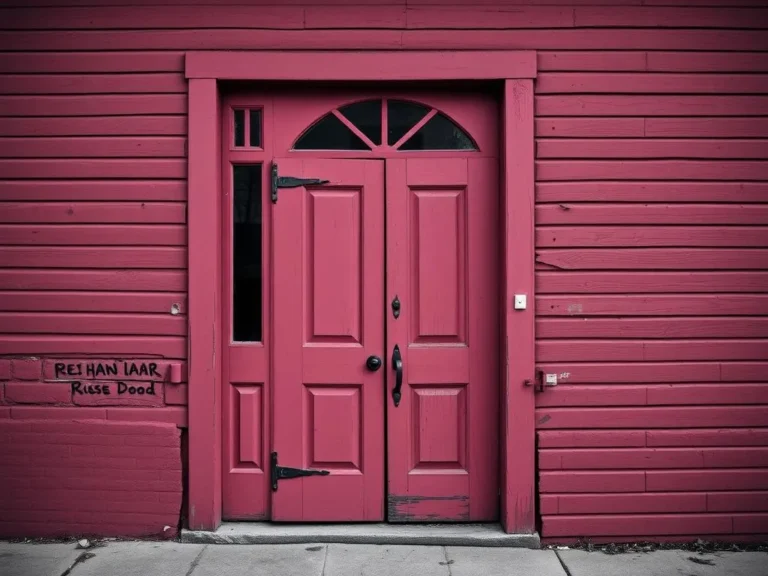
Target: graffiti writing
{"type": "Point", "coordinates": [94, 370]}
{"type": "Point", "coordinates": [107, 389]}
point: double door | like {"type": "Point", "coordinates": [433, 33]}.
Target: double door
{"type": "Point", "coordinates": [385, 367]}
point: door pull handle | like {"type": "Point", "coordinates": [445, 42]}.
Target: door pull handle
{"type": "Point", "coordinates": [397, 366]}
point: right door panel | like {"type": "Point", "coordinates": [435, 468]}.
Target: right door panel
{"type": "Point", "coordinates": [442, 265]}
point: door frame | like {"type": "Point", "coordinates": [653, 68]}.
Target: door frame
{"type": "Point", "coordinates": [514, 70]}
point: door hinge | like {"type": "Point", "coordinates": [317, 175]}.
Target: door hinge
{"type": "Point", "coordinates": [290, 182]}
{"type": "Point", "coordinates": [285, 473]}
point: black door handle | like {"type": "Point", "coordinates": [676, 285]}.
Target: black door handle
{"type": "Point", "coordinates": [373, 363]}
{"type": "Point", "coordinates": [397, 366]}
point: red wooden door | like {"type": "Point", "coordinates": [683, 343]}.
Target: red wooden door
{"type": "Point", "coordinates": [328, 286]}
{"type": "Point", "coordinates": [442, 262]}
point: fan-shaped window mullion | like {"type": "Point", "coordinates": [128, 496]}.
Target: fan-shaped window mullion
{"type": "Point", "coordinates": [365, 116]}
{"type": "Point", "coordinates": [355, 130]}
{"type": "Point", "coordinates": [329, 133]}
{"type": "Point", "coordinates": [365, 125]}
{"type": "Point", "coordinates": [438, 132]}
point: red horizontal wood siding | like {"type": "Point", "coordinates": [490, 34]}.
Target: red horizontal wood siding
{"type": "Point", "coordinates": [652, 222]}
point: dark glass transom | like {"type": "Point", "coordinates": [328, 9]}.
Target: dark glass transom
{"type": "Point", "coordinates": [409, 127]}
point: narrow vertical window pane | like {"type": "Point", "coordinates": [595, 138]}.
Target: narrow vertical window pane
{"type": "Point", "coordinates": [239, 128]}
{"type": "Point", "coordinates": [255, 136]}
{"type": "Point", "coordinates": [247, 284]}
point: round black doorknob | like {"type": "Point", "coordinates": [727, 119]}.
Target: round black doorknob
{"type": "Point", "coordinates": [373, 363]}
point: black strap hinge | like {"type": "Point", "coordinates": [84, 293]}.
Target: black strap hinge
{"type": "Point", "coordinates": [285, 473]}
{"type": "Point", "coordinates": [290, 182]}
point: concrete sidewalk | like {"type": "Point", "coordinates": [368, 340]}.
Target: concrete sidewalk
{"type": "Point", "coordinates": [176, 559]}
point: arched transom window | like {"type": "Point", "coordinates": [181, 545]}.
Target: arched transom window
{"type": "Point", "coordinates": [395, 124]}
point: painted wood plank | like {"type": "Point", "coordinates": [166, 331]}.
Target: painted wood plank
{"type": "Point", "coordinates": [689, 480]}
{"type": "Point", "coordinates": [583, 61]}
{"type": "Point", "coordinates": [706, 62]}
{"type": "Point", "coordinates": [90, 62]}
{"type": "Point", "coordinates": [215, 39]}
{"type": "Point", "coordinates": [640, 236]}
{"type": "Point", "coordinates": [637, 503]}
{"type": "Point", "coordinates": [590, 127]}
{"type": "Point", "coordinates": [751, 127]}
{"type": "Point", "coordinates": [685, 327]}
{"type": "Point", "coordinates": [652, 192]}
{"type": "Point", "coordinates": [651, 170]}
{"type": "Point", "coordinates": [169, 17]}
{"type": "Point", "coordinates": [634, 373]}
{"type": "Point", "coordinates": [737, 501]}
{"type": "Point", "coordinates": [93, 212]}
{"type": "Point", "coordinates": [93, 147]}
{"type": "Point", "coordinates": [70, 301]}
{"type": "Point", "coordinates": [656, 214]}
{"type": "Point", "coordinates": [591, 438]}
{"type": "Point", "coordinates": [626, 458]}
{"type": "Point", "coordinates": [655, 417]}
{"type": "Point", "coordinates": [111, 280]}
{"type": "Point", "coordinates": [653, 395]}
{"type": "Point", "coordinates": [346, 17]}
{"type": "Point", "coordinates": [87, 257]}
{"type": "Point", "coordinates": [649, 305]}
{"type": "Point", "coordinates": [71, 3]}
{"type": "Point", "coordinates": [670, 17]}
{"type": "Point", "coordinates": [92, 235]}
{"type": "Point", "coordinates": [523, 2]}
{"type": "Point", "coordinates": [94, 190]}
{"type": "Point", "coordinates": [627, 525]}
{"type": "Point", "coordinates": [93, 84]}
{"type": "Point", "coordinates": [708, 437]}
{"type": "Point", "coordinates": [93, 323]}
{"type": "Point", "coordinates": [95, 126]}
{"type": "Point", "coordinates": [496, 17]}
{"type": "Point", "coordinates": [655, 258]}
{"type": "Point", "coordinates": [650, 282]}
{"type": "Point", "coordinates": [253, 39]}
{"type": "Point", "coordinates": [653, 351]}
{"type": "Point", "coordinates": [735, 457]}
{"type": "Point", "coordinates": [42, 344]}
{"type": "Point", "coordinates": [650, 83]}
{"type": "Point", "coordinates": [93, 168]}
{"type": "Point", "coordinates": [744, 371]}
{"type": "Point", "coordinates": [96, 105]}
{"type": "Point", "coordinates": [650, 105]}
{"type": "Point", "coordinates": [597, 481]}
{"type": "Point", "coordinates": [564, 395]}
{"type": "Point", "coordinates": [574, 39]}
{"type": "Point", "coordinates": [358, 66]}
{"type": "Point", "coordinates": [644, 148]}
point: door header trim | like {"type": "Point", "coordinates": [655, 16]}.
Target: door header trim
{"type": "Point", "coordinates": [385, 65]}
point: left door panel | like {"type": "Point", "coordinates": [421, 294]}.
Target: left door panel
{"type": "Point", "coordinates": [328, 291]}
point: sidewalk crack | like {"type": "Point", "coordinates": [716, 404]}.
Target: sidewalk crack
{"type": "Point", "coordinates": [325, 560]}
{"type": "Point", "coordinates": [447, 562]}
{"type": "Point", "coordinates": [196, 561]}
{"type": "Point", "coordinates": [562, 563]}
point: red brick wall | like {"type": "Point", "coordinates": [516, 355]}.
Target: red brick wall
{"type": "Point", "coordinates": [63, 474]}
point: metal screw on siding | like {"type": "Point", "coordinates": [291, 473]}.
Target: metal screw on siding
{"type": "Point", "coordinates": [175, 309]}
